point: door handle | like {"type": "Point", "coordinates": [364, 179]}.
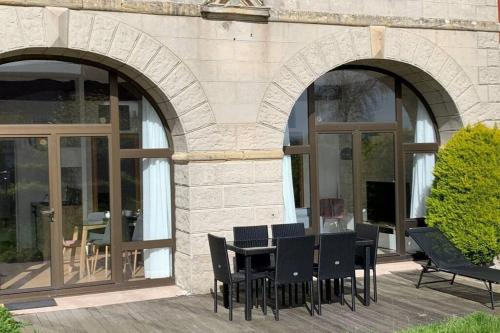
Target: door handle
{"type": "Point", "coordinates": [49, 213]}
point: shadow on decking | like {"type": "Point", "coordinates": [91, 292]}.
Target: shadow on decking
{"type": "Point", "coordinates": [465, 288]}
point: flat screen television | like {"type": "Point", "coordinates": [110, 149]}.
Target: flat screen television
{"type": "Point", "coordinates": [380, 201]}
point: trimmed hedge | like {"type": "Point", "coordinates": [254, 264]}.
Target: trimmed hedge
{"type": "Point", "coordinates": [465, 199]}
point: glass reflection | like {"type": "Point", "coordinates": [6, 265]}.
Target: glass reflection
{"type": "Point", "coordinates": [298, 128]}
{"type": "Point", "coordinates": [53, 92]}
{"type": "Point", "coordinates": [140, 125]}
{"type": "Point", "coordinates": [378, 186]}
{"type": "Point", "coordinates": [85, 209]}
{"type": "Point", "coordinates": [354, 96]}
{"type": "Point", "coordinates": [417, 123]}
{"type": "Point", "coordinates": [296, 189]}
{"type": "Point", "coordinates": [146, 210]}
{"type": "Point", "coordinates": [146, 264]}
{"type": "Point", "coordinates": [335, 180]}
{"type": "Point", "coordinates": [24, 214]}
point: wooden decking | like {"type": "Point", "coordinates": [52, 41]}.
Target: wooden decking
{"type": "Point", "coordinates": [399, 305]}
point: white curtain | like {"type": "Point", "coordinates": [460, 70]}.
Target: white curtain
{"type": "Point", "coordinates": [423, 163]}
{"type": "Point", "coordinates": [156, 196]}
{"type": "Point", "coordinates": [289, 214]}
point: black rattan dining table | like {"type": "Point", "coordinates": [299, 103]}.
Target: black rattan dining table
{"type": "Point", "coordinates": [249, 248]}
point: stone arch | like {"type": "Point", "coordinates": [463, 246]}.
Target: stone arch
{"type": "Point", "coordinates": [96, 37]}
{"type": "Point", "coordinates": [405, 53]}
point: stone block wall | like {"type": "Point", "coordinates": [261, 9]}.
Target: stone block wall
{"type": "Point", "coordinates": [213, 197]}
{"type": "Point", "coordinates": [226, 89]}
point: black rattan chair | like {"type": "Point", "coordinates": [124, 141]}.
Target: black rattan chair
{"type": "Point", "coordinates": [294, 264]}
{"type": "Point", "coordinates": [261, 263]}
{"type": "Point", "coordinates": [336, 261]}
{"type": "Point", "coordinates": [368, 231]}
{"type": "Point", "coordinates": [222, 272]}
{"type": "Point", "coordinates": [288, 230]}
{"type": "Point", "coordinates": [445, 257]}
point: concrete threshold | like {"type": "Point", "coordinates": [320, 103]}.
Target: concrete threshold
{"type": "Point", "coordinates": [107, 298]}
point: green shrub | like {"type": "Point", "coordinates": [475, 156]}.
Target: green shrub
{"type": "Point", "coordinates": [478, 322]}
{"type": "Point", "coordinates": [7, 323]}
{"type": "Point", "coordinates": [465, 199]}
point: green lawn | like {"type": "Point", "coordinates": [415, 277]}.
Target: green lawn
{"type": "Point", "coordinates": [478, 322]}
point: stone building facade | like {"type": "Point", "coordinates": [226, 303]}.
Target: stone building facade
{"type": "Point", "coordinates": [226, 76]}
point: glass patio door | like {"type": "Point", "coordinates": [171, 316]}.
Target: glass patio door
{"type": "Point", "coordinates": [377, 189]}
{"type": "Point", "coordinates": [336, 181]}
{"type": "Point", "coordinates": [26, 217]}
{"type": "Point", "coordinates": [55, 221]}
{"type": "Point", "coordinates": [84, 206]}
{"type": "Point", "coordinates": [357, 183]}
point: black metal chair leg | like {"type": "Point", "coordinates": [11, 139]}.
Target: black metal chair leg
{"type": "Point", "coordinates": [319, 297]}
{"type": "Point", "coordinates": [264, 300]}
{"type": "Point", "coordinates": [353, 292]}
{"type": "Point", "coordinates": [312, 299]}
{"type": "Point", "coordinates": [320, 293]}
{"type": "Point", "coordinates": [296, 293]}
{"type": "Point", "coordinates": [238, 292]}
{"type": "Point", "coordinates": [424, 270]}
{"type": "Point", "coordinates": [230, 302]}
{"type": "Point", "coordinates": [257, 293]}
{"type": "Point", "coordinates": [453, 279]}
{"type": "Point", "coordinates": [374, 284]}
{"type": "Point", "coordinates": [269, 289]}
{"type": "Point", "coordinates": [341, 291]}
{"type": "Point", "coordinates": [215, 296]}
{"type": "Point", "coordinates": [276, 305]}
{"type": "Point", "coordinates": [492, 299]}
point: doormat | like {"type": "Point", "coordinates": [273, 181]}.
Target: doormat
{"type": "Point", "coordinates": [42, 303]}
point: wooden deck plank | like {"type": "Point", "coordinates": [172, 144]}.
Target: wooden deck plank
{"type": "Point", "coordinates": [399, 305]}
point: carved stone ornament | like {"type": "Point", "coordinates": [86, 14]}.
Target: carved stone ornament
{"type": "Point", "coordinates": [238, 10]}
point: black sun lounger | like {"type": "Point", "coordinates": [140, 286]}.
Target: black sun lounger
{"type": "Point", "coordinates": [445, 257]}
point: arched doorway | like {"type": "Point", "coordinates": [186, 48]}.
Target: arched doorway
{"type": "Point", "coordinates": [85, 187]}
{"type": "Point", "coordinates": [359, 148]}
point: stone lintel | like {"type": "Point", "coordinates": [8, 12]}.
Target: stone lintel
{"type": "Point", "coordinates": [205, 156]}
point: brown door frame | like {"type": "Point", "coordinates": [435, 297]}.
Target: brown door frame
{"type": "Point", "coordinates": [116, 153]}
{"type": "Point", "coordinates": [356, 130]}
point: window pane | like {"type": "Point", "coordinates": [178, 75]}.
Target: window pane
{"type": "Point", "coordinates": [24, 223]}
{"type": "Point", "coordinates": [146, 199]}
{"type": "Point", "coordinates": [335, 179]}
{"type": "Point", "coordinates": [354, 95]}
{"type": "Point", "coordinates": [140, 124]}
{"type": "Point", "coordinates": [417, 123]}
{"type": "Point", "coordinates": [378, 186]}
{"type": "Point", "coordinates": [53, 92]}
{"type": "Point", "coordinates": [145, 264]}
{"type": "Point", "coordinates": [86, 220]}
{"type": "Point", "coordinates": [298, 132]}
{"type": "Point", "coordinates": [297, 189]}
{"type": "Point", "coordinates": [419, 178]}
